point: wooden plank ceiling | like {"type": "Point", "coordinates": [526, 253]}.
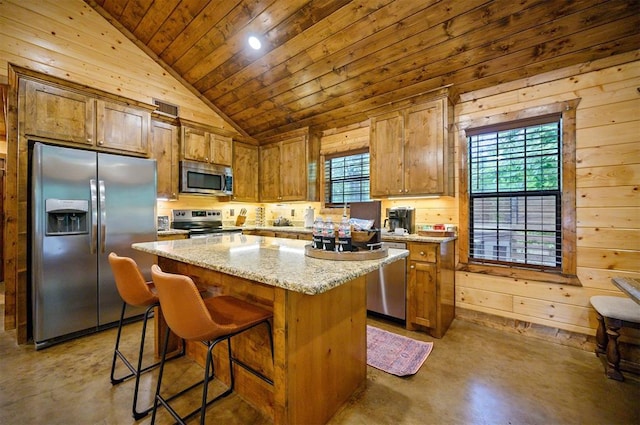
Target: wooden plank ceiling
{"type": "Point", "coordinates": [327, 63]}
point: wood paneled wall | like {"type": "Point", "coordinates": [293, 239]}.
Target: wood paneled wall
{"type": "Point", "coordinates": [608, 199]}
{"type": "Point", "coordinates": [69, 40]}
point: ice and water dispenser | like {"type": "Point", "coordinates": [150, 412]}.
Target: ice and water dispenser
{"type": "Point", "coordinates": [67, 216]}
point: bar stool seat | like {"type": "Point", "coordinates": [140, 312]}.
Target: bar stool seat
{"type": "Point", "coordinates": [613, 313]}
{"type": "Point", "coordinates": [134, 291]}
{"type": "Point", "coordinates": [209, 321]}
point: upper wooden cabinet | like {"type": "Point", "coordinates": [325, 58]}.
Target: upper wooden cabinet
{"type": "Point", "coordinates": [245, 172]}
{"type": "Point", "coordinates": [59, 114]}
{"type": "Point", "coordinates": [56, 113]}
{"type": "Point", "coordinates": [204, 144]}
{"type": "Point", "coordinates": [165, 149]}
{"type": "Point", "coordinates": [121, 127]}
{"type": "Point", "coordinates": [289, 167]}
{"type": "Point", "coordinates": [411, 151]}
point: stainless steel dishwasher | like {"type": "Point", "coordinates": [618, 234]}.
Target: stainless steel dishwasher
{"type": "Point", "coordinates": [387, 287]}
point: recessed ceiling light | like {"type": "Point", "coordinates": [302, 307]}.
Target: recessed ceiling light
{"type": "Point", "coordinates": [255, 43]}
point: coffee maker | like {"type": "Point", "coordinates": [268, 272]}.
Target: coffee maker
{"type": "Point", "coordinates": [401, 218]}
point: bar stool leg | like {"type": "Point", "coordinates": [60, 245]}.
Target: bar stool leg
{"type": "Point", "coordinates": [613, 355]}
{"type": "Point", "coordinates": [601, 336]}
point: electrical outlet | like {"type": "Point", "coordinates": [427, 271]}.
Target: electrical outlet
{"type": "Point", "coordinates": [232, 212]}
{"type": "Point", "coordinates": [293, 212]}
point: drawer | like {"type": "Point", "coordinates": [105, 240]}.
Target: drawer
{"type": "Point", "coordinates": [423, 252]}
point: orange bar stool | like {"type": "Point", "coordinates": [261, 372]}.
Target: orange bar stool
{"type": "Point", "coordinates": [209, 321]}
{"type": "Point", "coordinates": [134, 291]}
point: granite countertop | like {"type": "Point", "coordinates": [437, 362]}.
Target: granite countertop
{"type": "Point", "coordinates": [391, 237]}
{"type": "Point", "coordinates": [273, 261]}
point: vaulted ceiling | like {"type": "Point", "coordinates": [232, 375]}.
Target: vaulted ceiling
{"type": "Point", "coordinates": [327, 63]}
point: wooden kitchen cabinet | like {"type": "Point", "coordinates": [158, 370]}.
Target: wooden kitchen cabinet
{"type": "Point", "coordinates": [245, 172]}
{"type": "Point", "coordinates": [411, 151]}
{"type": "Point", "coordinates": [431, 287]}
{"type": "Point", "coordinates": [53, 112]}
{"type": "Point", "coordinates": [165, 136]}
{"type": "Point", "coordinates": [121, 127]}
{"type": "Point", "coordinates": [204, 144]}
{"type": "Point", "coordinates": [289, 167]}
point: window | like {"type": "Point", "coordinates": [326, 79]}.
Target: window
{"type": "Point", "coordinates": [518, 194]}
{"type": "Point", "coordinates": [346, 179]}
{"type": "Point", "coordinates": [515, 195]}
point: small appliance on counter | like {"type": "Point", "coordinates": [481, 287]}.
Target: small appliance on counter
{"type": "Point", "coordinates": [401, 218]}
{"type": "Point", "coordinates": [163, 222]}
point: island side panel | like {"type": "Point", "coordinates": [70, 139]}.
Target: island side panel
{"type": "Point", "coordinates": [325, 339]}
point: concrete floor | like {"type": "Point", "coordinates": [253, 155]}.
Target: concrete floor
{"type": "Point", "coordinates": [474, 375]}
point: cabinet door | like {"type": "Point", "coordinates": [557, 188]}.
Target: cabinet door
{"type": "Point", "coordinates": [270, 173]}
{"type": "Point", "coordinates": [386, 155]}
{"type": "Point", "coordinates": [195, 144]}
{"type": "Point", "coordinates": [424, 149]}
{"type": "Point", "coordinates": [59, 114]}
{"type": "Point", "coordinates": [422, 294]}
{"type": "Point", "coordinates": [245, 173]}
{"type": "Point", "coordinates": [165, 148]}
{"type": "Point", "coordinates": [293, 170]}
{"type": "Point", "coordinates": [220, 147]}
{"type": "Point", "coordinates": [122, 127]}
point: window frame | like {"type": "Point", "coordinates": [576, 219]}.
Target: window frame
{"type": "Point", "coordinates": [567, 274]}
{"type": "Point", "coordinates": [325, 182]}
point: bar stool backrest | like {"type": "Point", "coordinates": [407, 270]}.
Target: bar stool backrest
{"type": "Point", "coordinates": [183, 307]}
{"type": "Point", "coordinates": [131, 285]}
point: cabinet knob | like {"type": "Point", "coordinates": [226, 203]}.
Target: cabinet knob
{"type": "Point", "coordinates": [412, 266]}
{"type": "Point", "coordinates": [400, 191]}
{"type": "Point", "coordinates": [422, 253]}
{"type": "Point", "coordinates": [89, 140]}
{"type": "Point", "coordinates": [101, 142]}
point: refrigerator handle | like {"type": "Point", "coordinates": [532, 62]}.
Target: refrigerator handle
{"type": "Point", "coordinates": [103, 217]}
{"type": "Point", "coordinates": [94, 215]}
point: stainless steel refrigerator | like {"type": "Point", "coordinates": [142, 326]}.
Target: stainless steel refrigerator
{"type": "Point", "coordinates": [84, 205]}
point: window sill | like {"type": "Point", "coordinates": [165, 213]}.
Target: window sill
{"type": "Point", "coordinates": [521, 274]}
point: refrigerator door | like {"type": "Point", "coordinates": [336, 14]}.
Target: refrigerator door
{"type": "Point", "coordinates": [64, 291]}
{"type": "Point", "coordinates": [127, 214]}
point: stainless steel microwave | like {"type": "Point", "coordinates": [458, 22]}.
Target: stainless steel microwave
{"type": "Point", "coordinates": [205, 179]}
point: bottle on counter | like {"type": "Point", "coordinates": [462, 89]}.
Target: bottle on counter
{"type": "Point", "coordinates": [318, 229]}
{"type": "Point", "coordinates": [344, 235]}
{"type": "Point", "coordinates": [329, 235]}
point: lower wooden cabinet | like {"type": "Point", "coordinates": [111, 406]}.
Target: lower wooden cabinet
{"type": "Point", "coordinates": [431, 287]}
{"type": "Point", "coordinates": [170, 237]}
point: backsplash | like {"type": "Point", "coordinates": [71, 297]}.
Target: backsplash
{"type": "Point", "coordinates": [428, 211]}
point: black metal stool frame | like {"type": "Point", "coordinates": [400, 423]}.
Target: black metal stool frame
{"type": "Point", "coordinates": [139, 370]}
{"type": "Point", "coordinates": [208, 376]}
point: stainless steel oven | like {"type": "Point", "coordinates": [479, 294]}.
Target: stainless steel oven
{"type": "Point", "coordinates": [201, 223]}
{"type": "Point", "coordinates": [205, 179]}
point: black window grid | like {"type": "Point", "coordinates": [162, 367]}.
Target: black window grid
{"type": "Point", "coordinates": [516, 197]}
{"type": "Point", "coordinates": [347, 179]}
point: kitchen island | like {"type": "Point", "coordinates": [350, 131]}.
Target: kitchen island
{"type": "Point", "coordinates": [319, 318]}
